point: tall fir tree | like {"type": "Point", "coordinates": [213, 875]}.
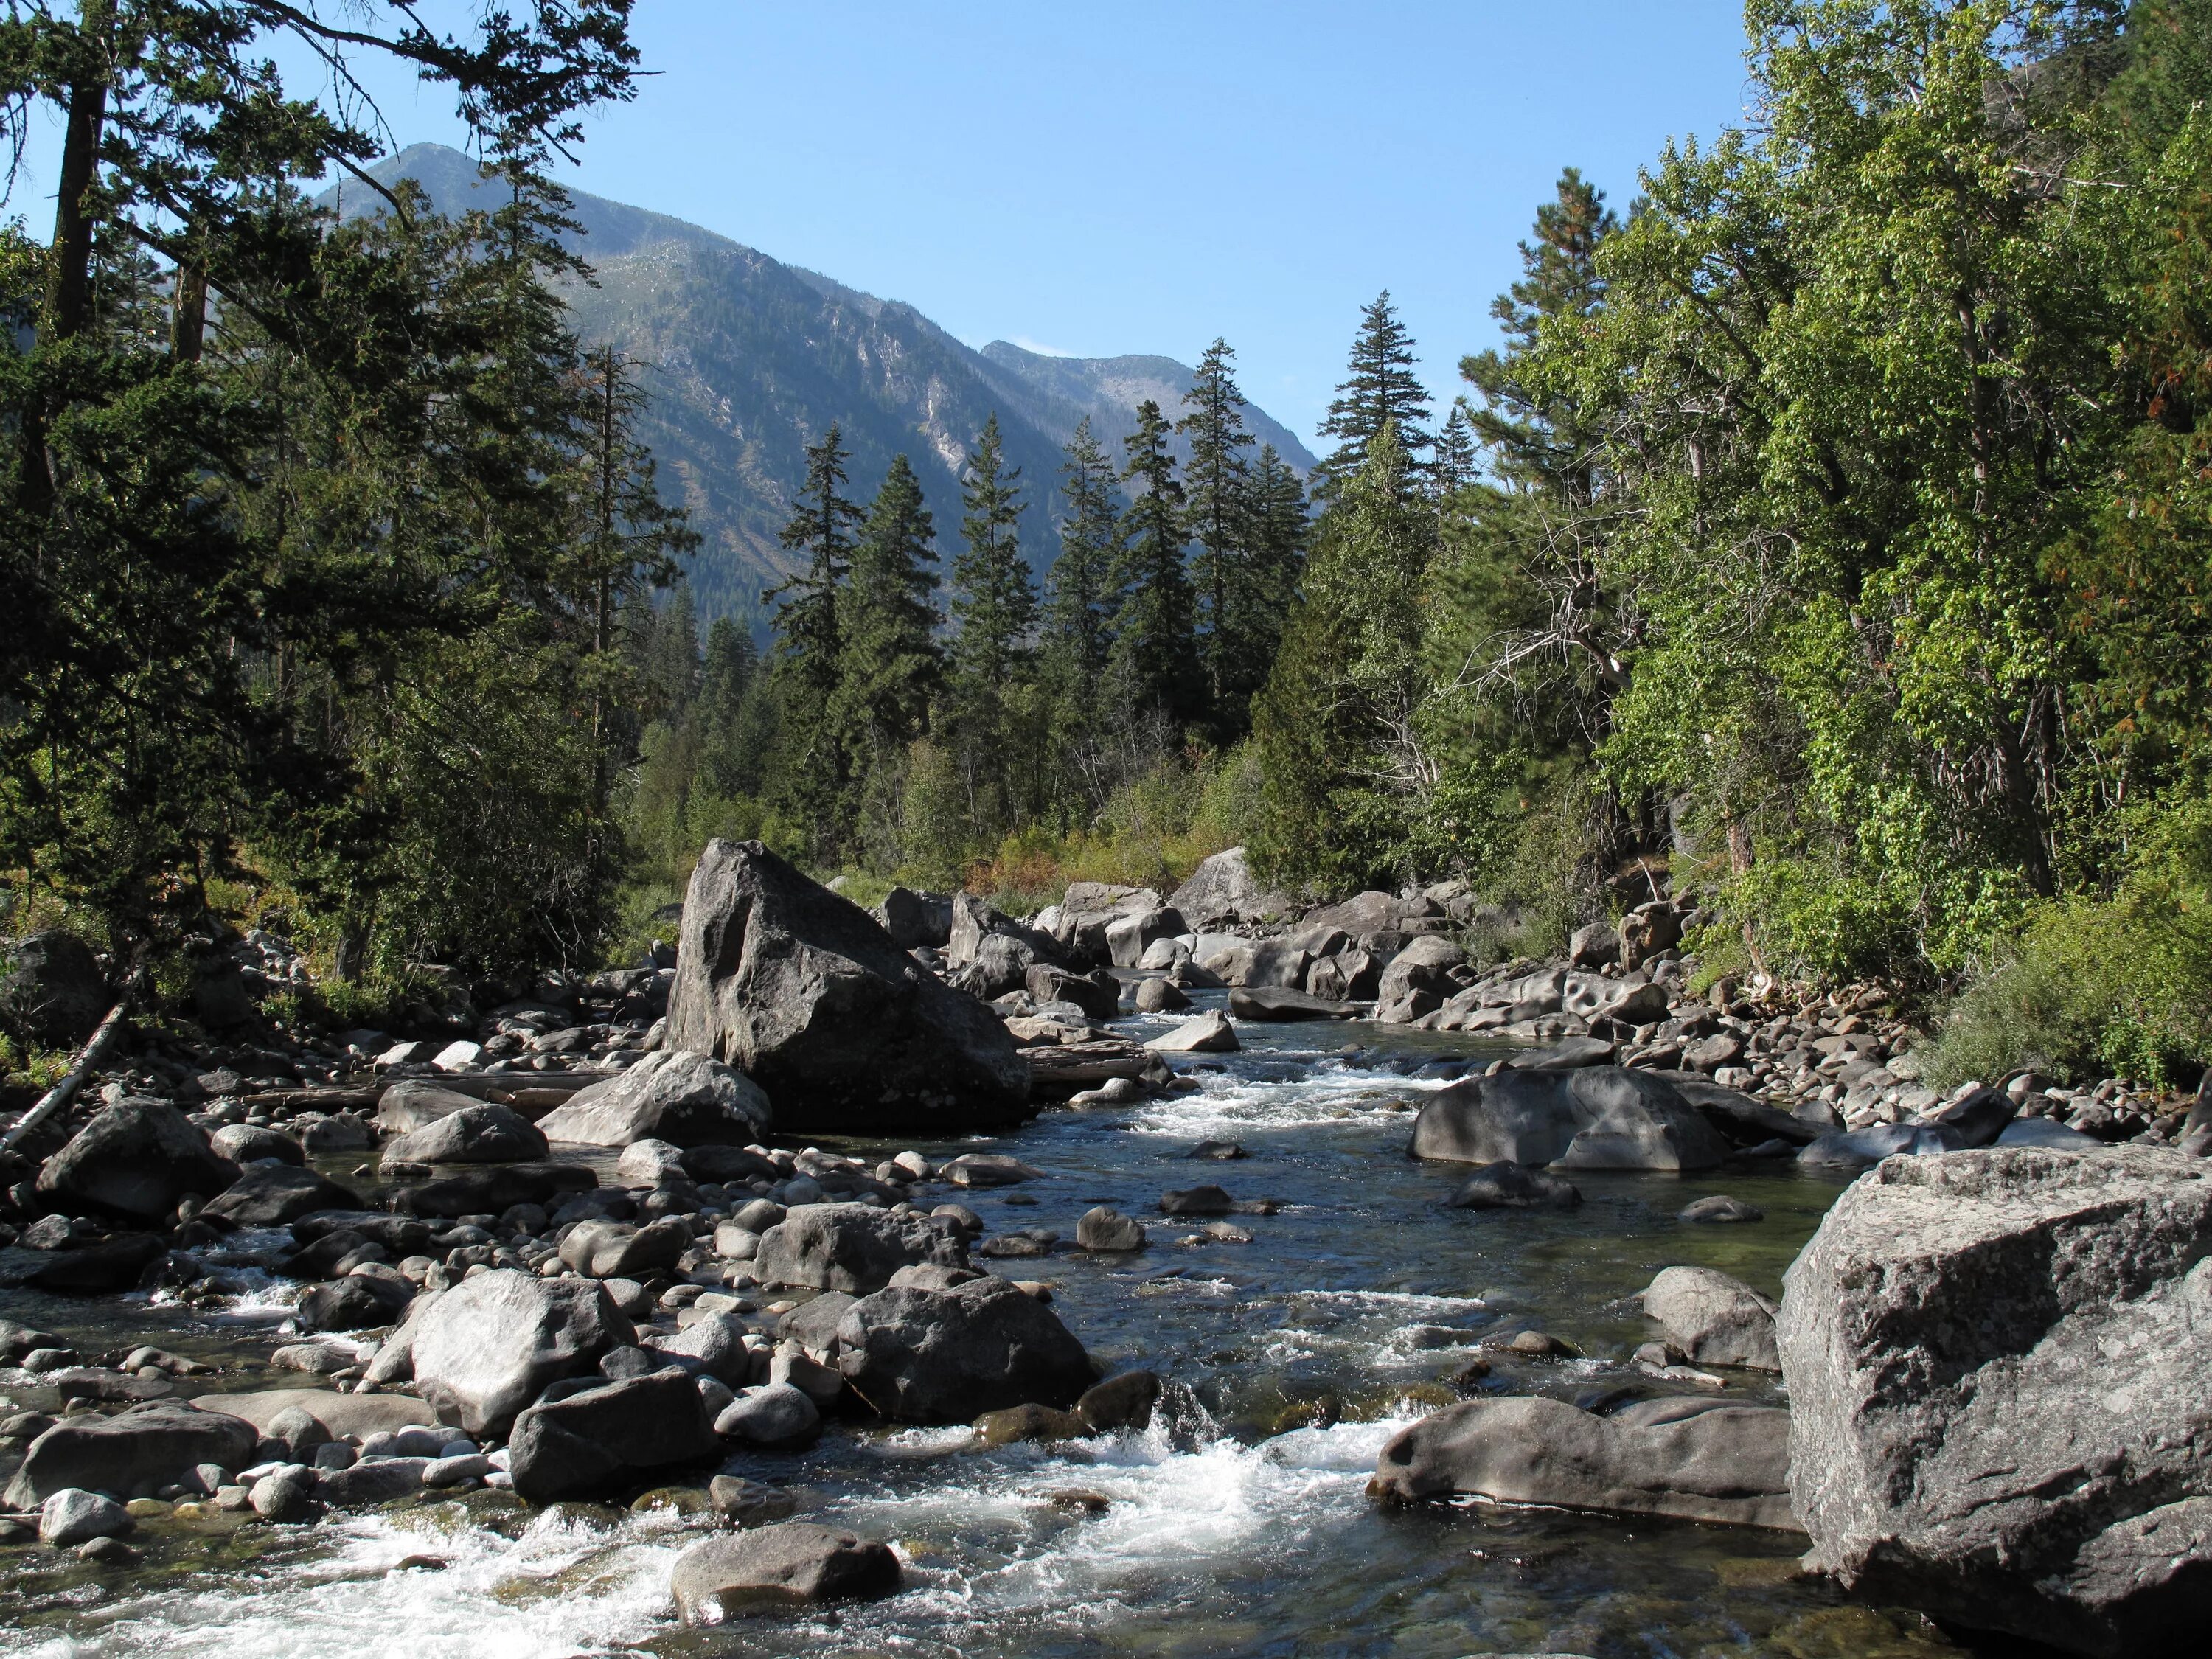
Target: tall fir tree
{"type": "Point", "coordinates": [995, 612]}
{"type": "Point", "coordinates": [1338, 725]}
{"type": "Point", "coordinates": [809, 656]}
{"type": "Point", "coordinates": [1379, 389]}
{"type": "Point", "coordinates": [891, 661]}
{"type": "Point", "coordinates": [1455, 461]}
{"type": "Point", "coordinates": [1079, 588]}
{"type": "Point", "coordinates": [1155, 643]}
{"type": "Point", "coordinates": [1215, 487]}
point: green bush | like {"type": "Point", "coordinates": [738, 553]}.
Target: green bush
{"type": "Point", "coordinates": [2086, 989]}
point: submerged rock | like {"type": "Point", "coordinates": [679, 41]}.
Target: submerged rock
{"type": "Point", "coordinates": [1506, 1185]}
{"type": "Point", "coordinates": [1694, 1459]}
{"type": "Point", "coordinates": [790, 1564]}
{"type": "Point", "coordinates": [1997, 1369]}
{"type": "Point", "coordinates": [1592, 1117]}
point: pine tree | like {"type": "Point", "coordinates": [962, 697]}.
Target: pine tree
{"type": "Point", "coordinates": [1079, 608]}
{"type": "Point", "coordinates": [1338, 724]}
{"type": "Point", "coordinates": [994, 603]}
{"type": "Point", "coordinates": [1537, 437]}
{"type": "Point", "coordinates": [1455, 462]}
{"type": "Point", "coordinates": [1217, 477]}
{"type": "Point", "coordinates": [1277, 526]}
{"type": "Point", "coordinates": [1156, 645]}
{"type": "Point", "coordinates": [995, 610]}
{"type": "Point", "coordinates": [1379, 389]}
{"type": "Point", "coordinates": [809, 644]}
{"type": "Point", "coordinates": [892, 663]}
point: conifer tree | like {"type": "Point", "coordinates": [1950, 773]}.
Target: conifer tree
{"type": "Point", "coordinates": [1337, 724]}
{"type": "Point", "coordinates": [1455, 460]}
{"type": "Point", "coordinates": [1155, 645]}
{"type": "Point", "coordinates": [1535, 435]}
{"type": "Point", "coordinates": [995, 612]}
{"type": "Point", "coordinates": [1379, 389]}
{"type": "Point", "coordinates": [892, 663]}
{"type": "Point", "coordinates": [808, 644]}
{"type": "Point", "coordinates": [1079, 608]}
{"type": "Point", "coordinates": [994, 603]}
{"type": "Point", "coordinates": [1216, 477]}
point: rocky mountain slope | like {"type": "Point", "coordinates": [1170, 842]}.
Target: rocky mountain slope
{"type": "Point", "coordinates": [749, 359]}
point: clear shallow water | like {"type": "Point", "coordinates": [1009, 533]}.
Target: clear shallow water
{"type": "Point", "coordinates": [1244, 1529]}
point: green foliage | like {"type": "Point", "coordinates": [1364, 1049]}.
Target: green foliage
{"type": "Point", "coordinates": [1154, 662]}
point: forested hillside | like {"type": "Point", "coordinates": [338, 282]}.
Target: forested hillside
{"type": "Point", "coordinates": [1825, 533]}
{"type": "Point", "coordinates": [744, 360]}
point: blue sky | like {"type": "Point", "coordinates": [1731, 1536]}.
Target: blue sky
{"type": "Point", "coordinates": [1099, 179]}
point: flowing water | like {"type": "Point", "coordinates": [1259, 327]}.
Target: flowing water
{"type": "Point", "coordinates": [1242, 1527]}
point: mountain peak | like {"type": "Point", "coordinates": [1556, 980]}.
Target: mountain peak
{"type": "Point", "coordinates": [748, 359]}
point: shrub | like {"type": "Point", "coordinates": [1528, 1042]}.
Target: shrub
{"type": "Point", "coordinates": [2121, 989]}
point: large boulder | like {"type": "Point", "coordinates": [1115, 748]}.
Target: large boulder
{"type": "Point", "coordinates": [791, 1564]}
{"type": "Point", "coordinates": [51, 990]}
{"type": "Point", "coordinates": [804, 991]}
{"type": "Point", "coordinates": [917, 921]}
{"type": "Point", "coordinates": [112, 1264]}
{"type": "Point", "coordinates": [1206, 1033]}
{"type": "Point", "coordinates": [1996, 1366]}
{"type": "Point", "coordinates": [1588, 1117]}
{"type": "Point", "coordinates": [924, 1356]}
{"type": "Point", "coordinates": [676, 1095]}
{"type": "Point", "coordinates": [602, 1438]}
{"type": "Point", "coordinates": [1695, 1459]}
{"type": "Point", "coordinates": [133, 1160]}
{"type": "Point", "coordinates": [1267, 1002]}
{"type": "Point", "coordinates": [854, 1247]}
{"type": "Point", "coordinates": [1431, 964]}
{"type": "Point", "coordinates": [1714, 1319]}
{"type": "Point", "coordinates": [412, 1103]}
{"type": "Point", "coordinates": [613, 1249]}
{"type": "Point", "coordinates": [488, 1347]}
{"type": "Point", "coordinates": [358, 1302]}
{"type": "Point", "coordinates": [1223, 892]}
{"type": "Point", "coordinates": [131, 1455]}
{"type": "Point", "coordinates": [488, 1134]}
{"type": "Point", "coordinates": [991, 953]}
{"type": "Point", "coordinates": [270, 1194]}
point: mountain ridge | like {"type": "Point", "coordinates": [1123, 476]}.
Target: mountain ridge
{"type": "Point", "coordinates": [748, 359]}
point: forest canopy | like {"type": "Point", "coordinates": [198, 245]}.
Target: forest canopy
{"type": "Point", "coordinates": [1827, 531]}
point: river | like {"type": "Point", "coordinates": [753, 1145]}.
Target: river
{"type": "Point", "coordinates": [1240, 1527]}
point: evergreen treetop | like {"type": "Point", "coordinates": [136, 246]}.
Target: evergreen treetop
{"type": "Point", "coordinates": [1379, 389]}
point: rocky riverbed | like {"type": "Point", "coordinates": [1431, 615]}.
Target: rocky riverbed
{"type": "Point", "coordinates": [1239, 1523]}
{"type": "Point", "coordinates": [1137, 1307]}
